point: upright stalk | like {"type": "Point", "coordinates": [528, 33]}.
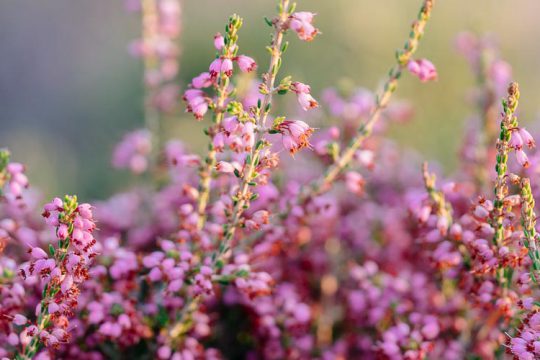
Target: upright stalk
{"type": "Point", "coordinates": [383, 98]}
{"type": "Point", "coordinates": [244, 195]}
{"type": "Point", "coordinates": [508, 122]}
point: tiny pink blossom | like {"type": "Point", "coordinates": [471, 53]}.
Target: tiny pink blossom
{"type": "Point", "coordinates": [245, 63]}
{"type": "Point", "coordinates": [527, 138]}
{"type": "Point", "coordinates": [516, 141]}
{"type": "Point", "coordinates": [38, 253]}
{"type": "Point", "coordinates": [301, 23]}
{"type": "Point", "coordinates": [522, 158]}
{"type": "Point", "coordinates": [225, 167]}
{"type": "Point", "coordinates": [219, 41]}
{"type": "Point", "coordinates": [227, 67]}
{"type": "Point", "coordinates": [19, 319]}
{"type": "Point", "coordinates": [423, 69]}
{"type": "Point", "coordinates": [202, 81]}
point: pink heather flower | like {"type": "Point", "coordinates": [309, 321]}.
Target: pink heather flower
{"type": "Point", "coordinates": [245, 63]}
{"type": "Point", "coordinates": [527, 138]}
{"type": "Point", "coordinates": [307, 101]}
{"type": "Point", "coordinates": [355, 182]}
{"type": "Point", "coordinates": [224, 167]}
{"type": "Point", "coordinates": [215, 67]}
{"type": "Point", "coordinates": [54, 205]}
{"type": "Point", "coordinates": [53, 308]}
{"type": "Point", "coordinates": [516, 141]}
{"type": "Point", "coordinates": [522, 158]}
{"type": "Point", "coordinates": [221, 65]}
{"type": "Point", "coordinates": [423, 69]}
{"type": "Point", "coordinates": [18, 180]}
{"type": "Point", "coordinates": [202, 81]}
{"type": "Point", "coordinates": [219, 41]}
{"type": "Point", "coordinates": [19, 319]}
{"type": "Point", "coordinates": [304, 97]}
{"type": "Point", "coordinates": [296, 135]}
{"type": "Point", "coordinates": [197, 102]}
{"type": "Point", "coordinates": [227, 67]}
{"type": "Point", "coordinates": [301, 23]}
{"type": "Point", "coordinates": [38, 253]}
{"type": "Point", "coordinates": [218, 142]}
{"type": "Point", "coordinates": [230, 124]}
{"type": "Point", "coordinates": [62, 232]}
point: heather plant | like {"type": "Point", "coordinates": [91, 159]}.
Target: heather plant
{"type": "Point", "coordinates": [286, 238]}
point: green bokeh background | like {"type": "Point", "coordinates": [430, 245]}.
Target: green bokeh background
{"type": "Point", "coordinates": [69, 90]}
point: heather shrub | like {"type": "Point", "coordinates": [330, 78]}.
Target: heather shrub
{"type": "Point", "coordinates": [288, 238]}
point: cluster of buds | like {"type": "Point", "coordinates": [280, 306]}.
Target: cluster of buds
{"type": "Point", "coordinates": [227, 52]}
{"type": "Point", "coordinates": [62, 271]}
{"type": "Point", "coordinates": [238, 136]}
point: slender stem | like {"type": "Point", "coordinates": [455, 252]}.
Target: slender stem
{"type": "Point", "coordinates": [243, 196]}
{"type": "Point", "coordinates": [383, 98]}
{"type": "Point", "coordinates": [207, 167]}
{"type": "Point", "coordinates": [501, 187]}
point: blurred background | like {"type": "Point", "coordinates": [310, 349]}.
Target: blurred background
{"type": "Point", "coordinates": [69, 89]}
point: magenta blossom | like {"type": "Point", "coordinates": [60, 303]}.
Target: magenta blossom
{"type": "Point", "coordinates": [423, 69]}
{"type": "Point", "coordinates": [301, 23]}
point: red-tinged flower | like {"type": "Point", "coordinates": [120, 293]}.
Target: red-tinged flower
{"type": "Point", "coordinates": [197, 102]}
{"type": "Point", "coordinates": [296, 134]}
{"type": "Point", "coordinates": [527, 137]}
{"type": "Point", "coordinates": [304, 97]}
{"type": "Point", "coordinates": [245, 63]}
{"type": "Point", "coordinates": [225, 167]}
{"type": "Point", "coordinates": [301, 23]}
{"type": "Point", "coordinates": [204, 80]}
{"type": "Point", "coordinates": [522, 158]}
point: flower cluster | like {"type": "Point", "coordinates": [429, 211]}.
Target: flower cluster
{"type": "Point", "coordinates": [60, 273]}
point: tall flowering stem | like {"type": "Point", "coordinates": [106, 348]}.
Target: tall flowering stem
{"type": "Point", "coordinates": [244, 196]}
{"type": "Point", "coordinates": [403, 58]}
{"type": "Point", "coordinates": [508, 123]}
{"type": "Point", "coordinates": [62, 270]}
{"type": "Point", "coordinates": [528, 221]}
{"type": "Point", "coordinates": [228, 51]}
